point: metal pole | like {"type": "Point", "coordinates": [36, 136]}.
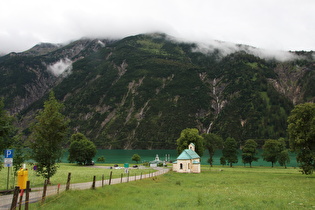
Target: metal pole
{"type": "Point", "coordinates": [8, 178]}
{"type": "Point", "coordinates": [21, 199]}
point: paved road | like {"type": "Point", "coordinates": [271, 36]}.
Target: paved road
{"type": "Point", "coordinates": [36, 194]}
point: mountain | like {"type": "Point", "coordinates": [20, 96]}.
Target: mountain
{"type": "Point", "coordinates": [141, 91]}
{"type": "Point", "coordinates": [26, 77]}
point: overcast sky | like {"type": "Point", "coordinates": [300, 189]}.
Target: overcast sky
{"type": "Point", "coordinates": [270, 24]}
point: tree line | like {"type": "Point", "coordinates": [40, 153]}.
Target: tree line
{"type": "Point", "coordinates": [49, 134]}
{"type": "Point", "coordinates": [301, 132]}
{"type": "Point", "coordinates": [273, 150]}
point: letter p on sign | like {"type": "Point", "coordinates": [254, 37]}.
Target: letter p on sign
{"type": "Point", "coordinates": [8, 153]}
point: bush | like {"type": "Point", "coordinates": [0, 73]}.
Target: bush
{"type": "Point", "coordinates": [160, 165]}
{"type": "Point", "coordinates": [101, 159]}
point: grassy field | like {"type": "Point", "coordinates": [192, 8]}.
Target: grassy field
{"type": "Point", "coordinates": [215, 188]}
{"type": "Point", "coordinates": [79, 174]}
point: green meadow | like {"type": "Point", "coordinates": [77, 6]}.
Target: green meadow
{"type": "Point", "coordinates": [214, 188]}
{"type": "Point", "coordinates": [79, 174]}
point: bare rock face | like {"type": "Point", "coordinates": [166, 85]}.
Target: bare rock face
{"type": "Point", "coordinates": [288, 81]}
{"type": "Point", "coordinates": [33, 91]}
{"type": "Point", "coordinates": [216, 87]}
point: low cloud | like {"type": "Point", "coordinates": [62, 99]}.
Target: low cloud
{"type": "Point", "coordinates": [226, 48]}
{"type": "Point", "coordinates": [61, 67]}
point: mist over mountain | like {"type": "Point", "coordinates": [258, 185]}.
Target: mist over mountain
{"type": "Point", "coordinates": [141, 91]}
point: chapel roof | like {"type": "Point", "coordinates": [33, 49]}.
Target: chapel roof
{"type": "Point", "coordinates": [188, 154]}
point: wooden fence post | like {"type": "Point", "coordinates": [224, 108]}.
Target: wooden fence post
{"type": "Point", "coordinates": [141, 176]}
{"type": "Point", "coordinates": [93, 184]}
{"type": "Point", "coordinates": [68, 181]}
{"type": "Point", "coordinates": [110, 177]}
{"type": "Point", "coordinates": [128, 177]}
{"type": "Point", "coordinates": [15, 197]}
{"type": "Point", "coordinates": [27, 195]}
{"type": "Point", "coordinates": [103, 180]}
{"type": "Point", "coordinates": [121, 177]}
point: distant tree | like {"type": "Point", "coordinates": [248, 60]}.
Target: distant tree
{"type": "Point", "coordinates": [81, 149]}
{"type": "Point", "coordinates": [230, 151]}
{"type": "Point", "coordinates": [7, 130]}
{"type": "Point", "coordinates": [301, 130]}
{"type": "Point", "coordinates": [212, 142]}
{"type": "Point", "coordinates": [136, 158]}
{"type": "Point", "coordinates": [271, 150]}
{"type": "Point", "coordinates": [283, 156]}
{"type": "Point", "coordinates": [187, 136]}
{"type": "Point", "coordinates": [222, 161]}
{"type": "Point", "coordinates": [48, 136]}
{"type": "Point", "coordinates": [249, 152]}
{"type": "Point", "coordinates": [101, 159]}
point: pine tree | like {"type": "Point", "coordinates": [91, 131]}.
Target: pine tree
{"type": "Point", "coordinates": [48, 136]}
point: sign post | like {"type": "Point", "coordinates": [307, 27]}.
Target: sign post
{"type": "Point", "coordinates": [8, 162]}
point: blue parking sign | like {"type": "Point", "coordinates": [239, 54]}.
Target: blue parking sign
{"type": "Point", "coordinates": [8, 153]}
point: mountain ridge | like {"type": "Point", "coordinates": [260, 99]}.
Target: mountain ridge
{"type": "Point", "coordinates": [141, 91]}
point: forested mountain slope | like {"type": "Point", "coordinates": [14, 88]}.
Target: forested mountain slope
{"type": "Point", "coordinates": [141, 91]}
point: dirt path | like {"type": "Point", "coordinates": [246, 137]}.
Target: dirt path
{"type": "Point", "coordinates": [36, 194]}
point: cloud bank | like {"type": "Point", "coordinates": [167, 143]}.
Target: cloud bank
{"type": "Point", "coordinates": [275, 25]}
{"type": "Point", "coordinates": [226, 48]}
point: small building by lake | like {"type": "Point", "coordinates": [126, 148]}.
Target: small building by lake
{"type": "Point", "coordinates": [188, 161]}
{"type": "Point", "coordinates": [156, 162]}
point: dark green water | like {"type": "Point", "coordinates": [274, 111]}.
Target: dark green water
{"type": "Point", "coordinates": [124, 156]}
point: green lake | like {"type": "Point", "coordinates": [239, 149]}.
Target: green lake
{"type": "Point", "coordinates": [124, 156]}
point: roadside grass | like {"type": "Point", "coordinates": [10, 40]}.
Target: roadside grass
{"type": "Point", "coordinates": [213, 188]}
{"type": "Point", "coordinates": [79, 174]}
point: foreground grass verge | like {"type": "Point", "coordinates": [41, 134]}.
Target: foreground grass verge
{"type": "Point", "coordinates": [79, 174]}
{"type": "Point", "coordinates": [230, 188]}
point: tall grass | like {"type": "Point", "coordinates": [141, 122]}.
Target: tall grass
{"type": "Point", "coordinates": [230, 188]}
